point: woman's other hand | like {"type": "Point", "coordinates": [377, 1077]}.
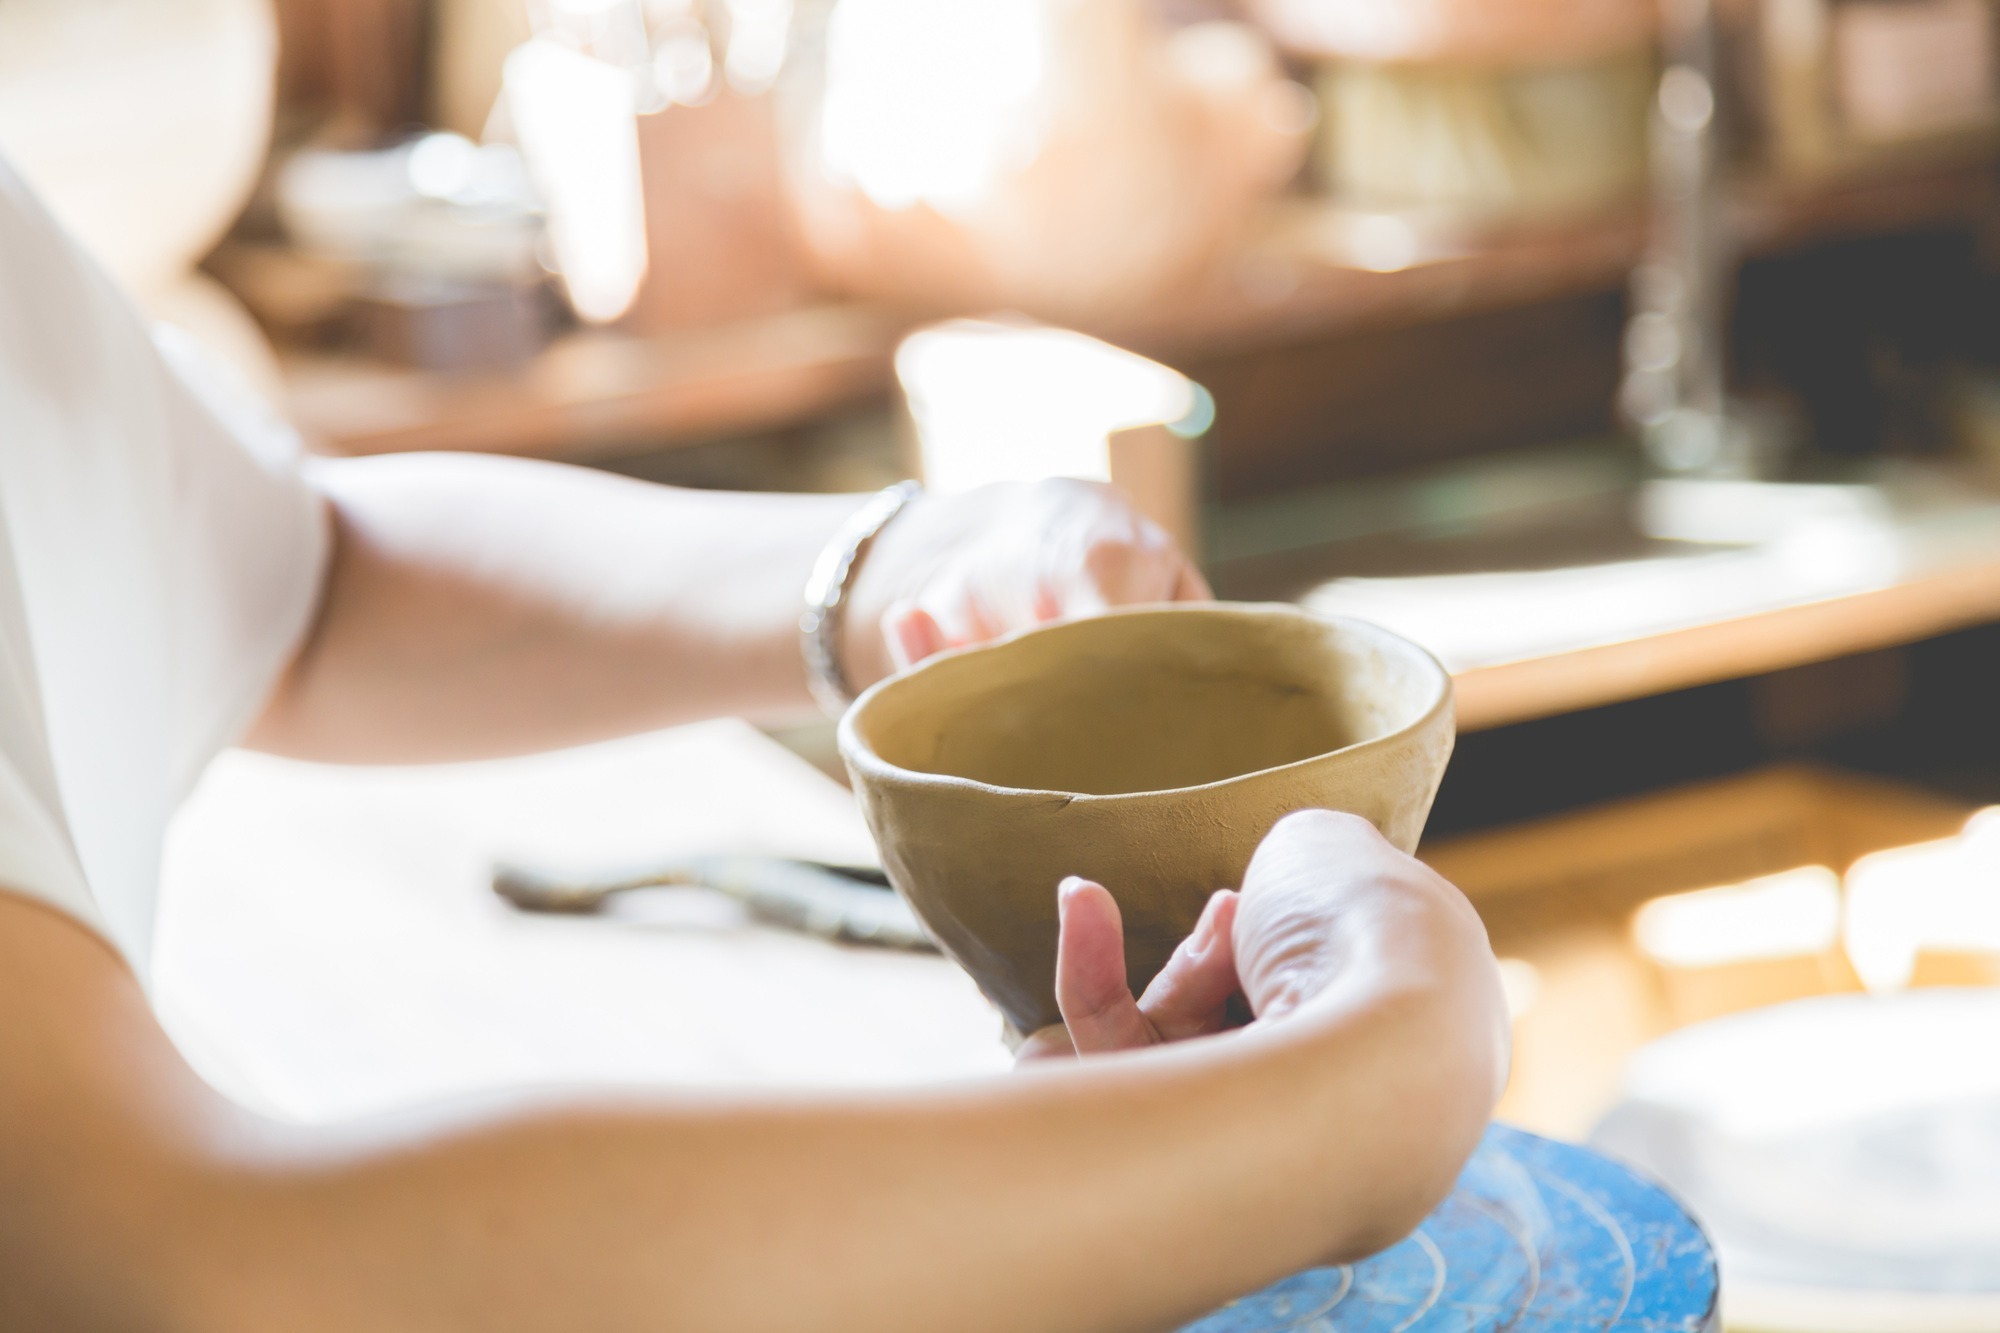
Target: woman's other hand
{"type": "Point", "coordinates": [952, 570]}
{"type": "Point", "coordinates": [1189, 998]}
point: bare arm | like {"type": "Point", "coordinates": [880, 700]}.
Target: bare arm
{"type": "Point", "coordinates": [479, 606]}
{"type": "Point", "coordinates": [1125, 1192]}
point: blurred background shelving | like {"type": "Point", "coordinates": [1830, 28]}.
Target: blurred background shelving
{"type": "Point", "coordinates": [1413, 281]}
{"type": "Point", "coordinates": [594, 393]}
{"type": "Point", "coordinates": [1417, 372]}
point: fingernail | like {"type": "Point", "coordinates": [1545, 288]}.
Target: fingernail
{"type": "Point", "coordinates": [1067, 889]}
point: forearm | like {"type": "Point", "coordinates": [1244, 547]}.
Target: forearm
{"type": "Point", "coordinates": [1132, 1195]}
{"type": "Point", "coordinates": [1127, 1192]}
{"type": "Point", "coordinates": [996, 1208]}
{"type": "Point", "coordinates": [479, 606]}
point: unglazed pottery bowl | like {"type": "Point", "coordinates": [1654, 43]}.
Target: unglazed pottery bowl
{"type": "Point", "coordinates": [1148, 749]}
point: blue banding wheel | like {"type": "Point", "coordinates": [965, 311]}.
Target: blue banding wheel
{"type": "Point", "coordinates": [1538, 1237]}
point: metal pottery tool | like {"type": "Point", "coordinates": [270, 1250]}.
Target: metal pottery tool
{"type": "Point", "coordinates": [850, 904]}
{"type": "Point", "coordinates": [1538, 1237]}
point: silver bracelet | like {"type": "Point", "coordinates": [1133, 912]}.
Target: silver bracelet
{"type": "Point", "coordinates": [826, 594]}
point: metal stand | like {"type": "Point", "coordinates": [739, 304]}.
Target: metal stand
{"type": "Point", "coordinates": [1676, 339]}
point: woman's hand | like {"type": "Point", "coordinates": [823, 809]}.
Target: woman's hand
{"type": "Point", "coordinates": [1324, 894]}
{"type": "Point", "coordinates": [1189, 998]}
{"type": "Point", "coordinates": [951, 570]}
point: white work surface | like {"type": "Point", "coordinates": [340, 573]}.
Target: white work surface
{"type": "Point", "coordinates": [329, 944]}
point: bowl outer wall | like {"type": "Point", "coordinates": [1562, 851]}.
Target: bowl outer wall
{"type": "Point", "coordinates": [979, 864]}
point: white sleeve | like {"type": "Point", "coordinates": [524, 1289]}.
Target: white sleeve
{"type": "Point", "coordinates": [37, 856]}
{"type": "Point", "coordinates": [253, 535]}
{"type": "Point", "coordinates": [164, 555]}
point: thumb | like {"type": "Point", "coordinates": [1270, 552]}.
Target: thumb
{"type": "Point", "coordinates": [1097, 1005]}
{"type": "Point", "coordinates": [1190, 997]}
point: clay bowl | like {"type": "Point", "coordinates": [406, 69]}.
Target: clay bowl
{"type": "Point", "coordinates": [1149, 750]}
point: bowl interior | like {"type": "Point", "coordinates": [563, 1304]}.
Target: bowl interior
{"type": "Point", "coordinates": [1150, 700]}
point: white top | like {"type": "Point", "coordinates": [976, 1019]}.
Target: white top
{"type": "Point", "coordinates": [160, 555]}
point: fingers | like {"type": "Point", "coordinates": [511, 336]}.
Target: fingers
{"type": "Point", "coordinates": [1096, 1003]}
{"type": "Point", "coordinates": [1190, 996]}
{"type": "Point", "coordinates": [1125, 565]}
{"type": "Point", "coordinates": [1006, 558]}
{"type": "Point", "coordinates": [1330, 906]}
{"type": "Point", "coordinates": [1299, 877]}
{"type": "Point", "coordinates": [1321, 883]}
{"type": "Point", "coordinates": [913, 634]}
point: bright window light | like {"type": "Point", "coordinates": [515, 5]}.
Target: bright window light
{"type": "Point", "coordinates": [931, 101]}
{"type": "Point", "coordinates": [579, 133]}
{"type": "Point", "coordinates": [999, 402]}
{"type": "Point", "coordinates": [1796, 912]}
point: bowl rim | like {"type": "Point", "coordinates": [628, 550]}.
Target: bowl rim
{"type": "Point", "coordinates": [857, 754]}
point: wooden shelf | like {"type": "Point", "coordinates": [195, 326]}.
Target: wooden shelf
{"type": "Point", "coordinates": [1297, 279]}
{"type": "Point", "coordinates": [1956, 185]}
{"type": "Point", "coordinates": [1960, 596]}
{"type": "Point", "coordinates": [599, 394]}
{"type": "Point", "coordinates": [1559, 603]}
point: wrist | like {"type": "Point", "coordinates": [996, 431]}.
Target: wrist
{"type": "Point", "coordinates": [906, 548]}
{"type": "Point", "coordinates": [835, 670]}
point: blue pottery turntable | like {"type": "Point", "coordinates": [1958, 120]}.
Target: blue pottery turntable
{"type": "Point", "coordinates": [1538, 1237]}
